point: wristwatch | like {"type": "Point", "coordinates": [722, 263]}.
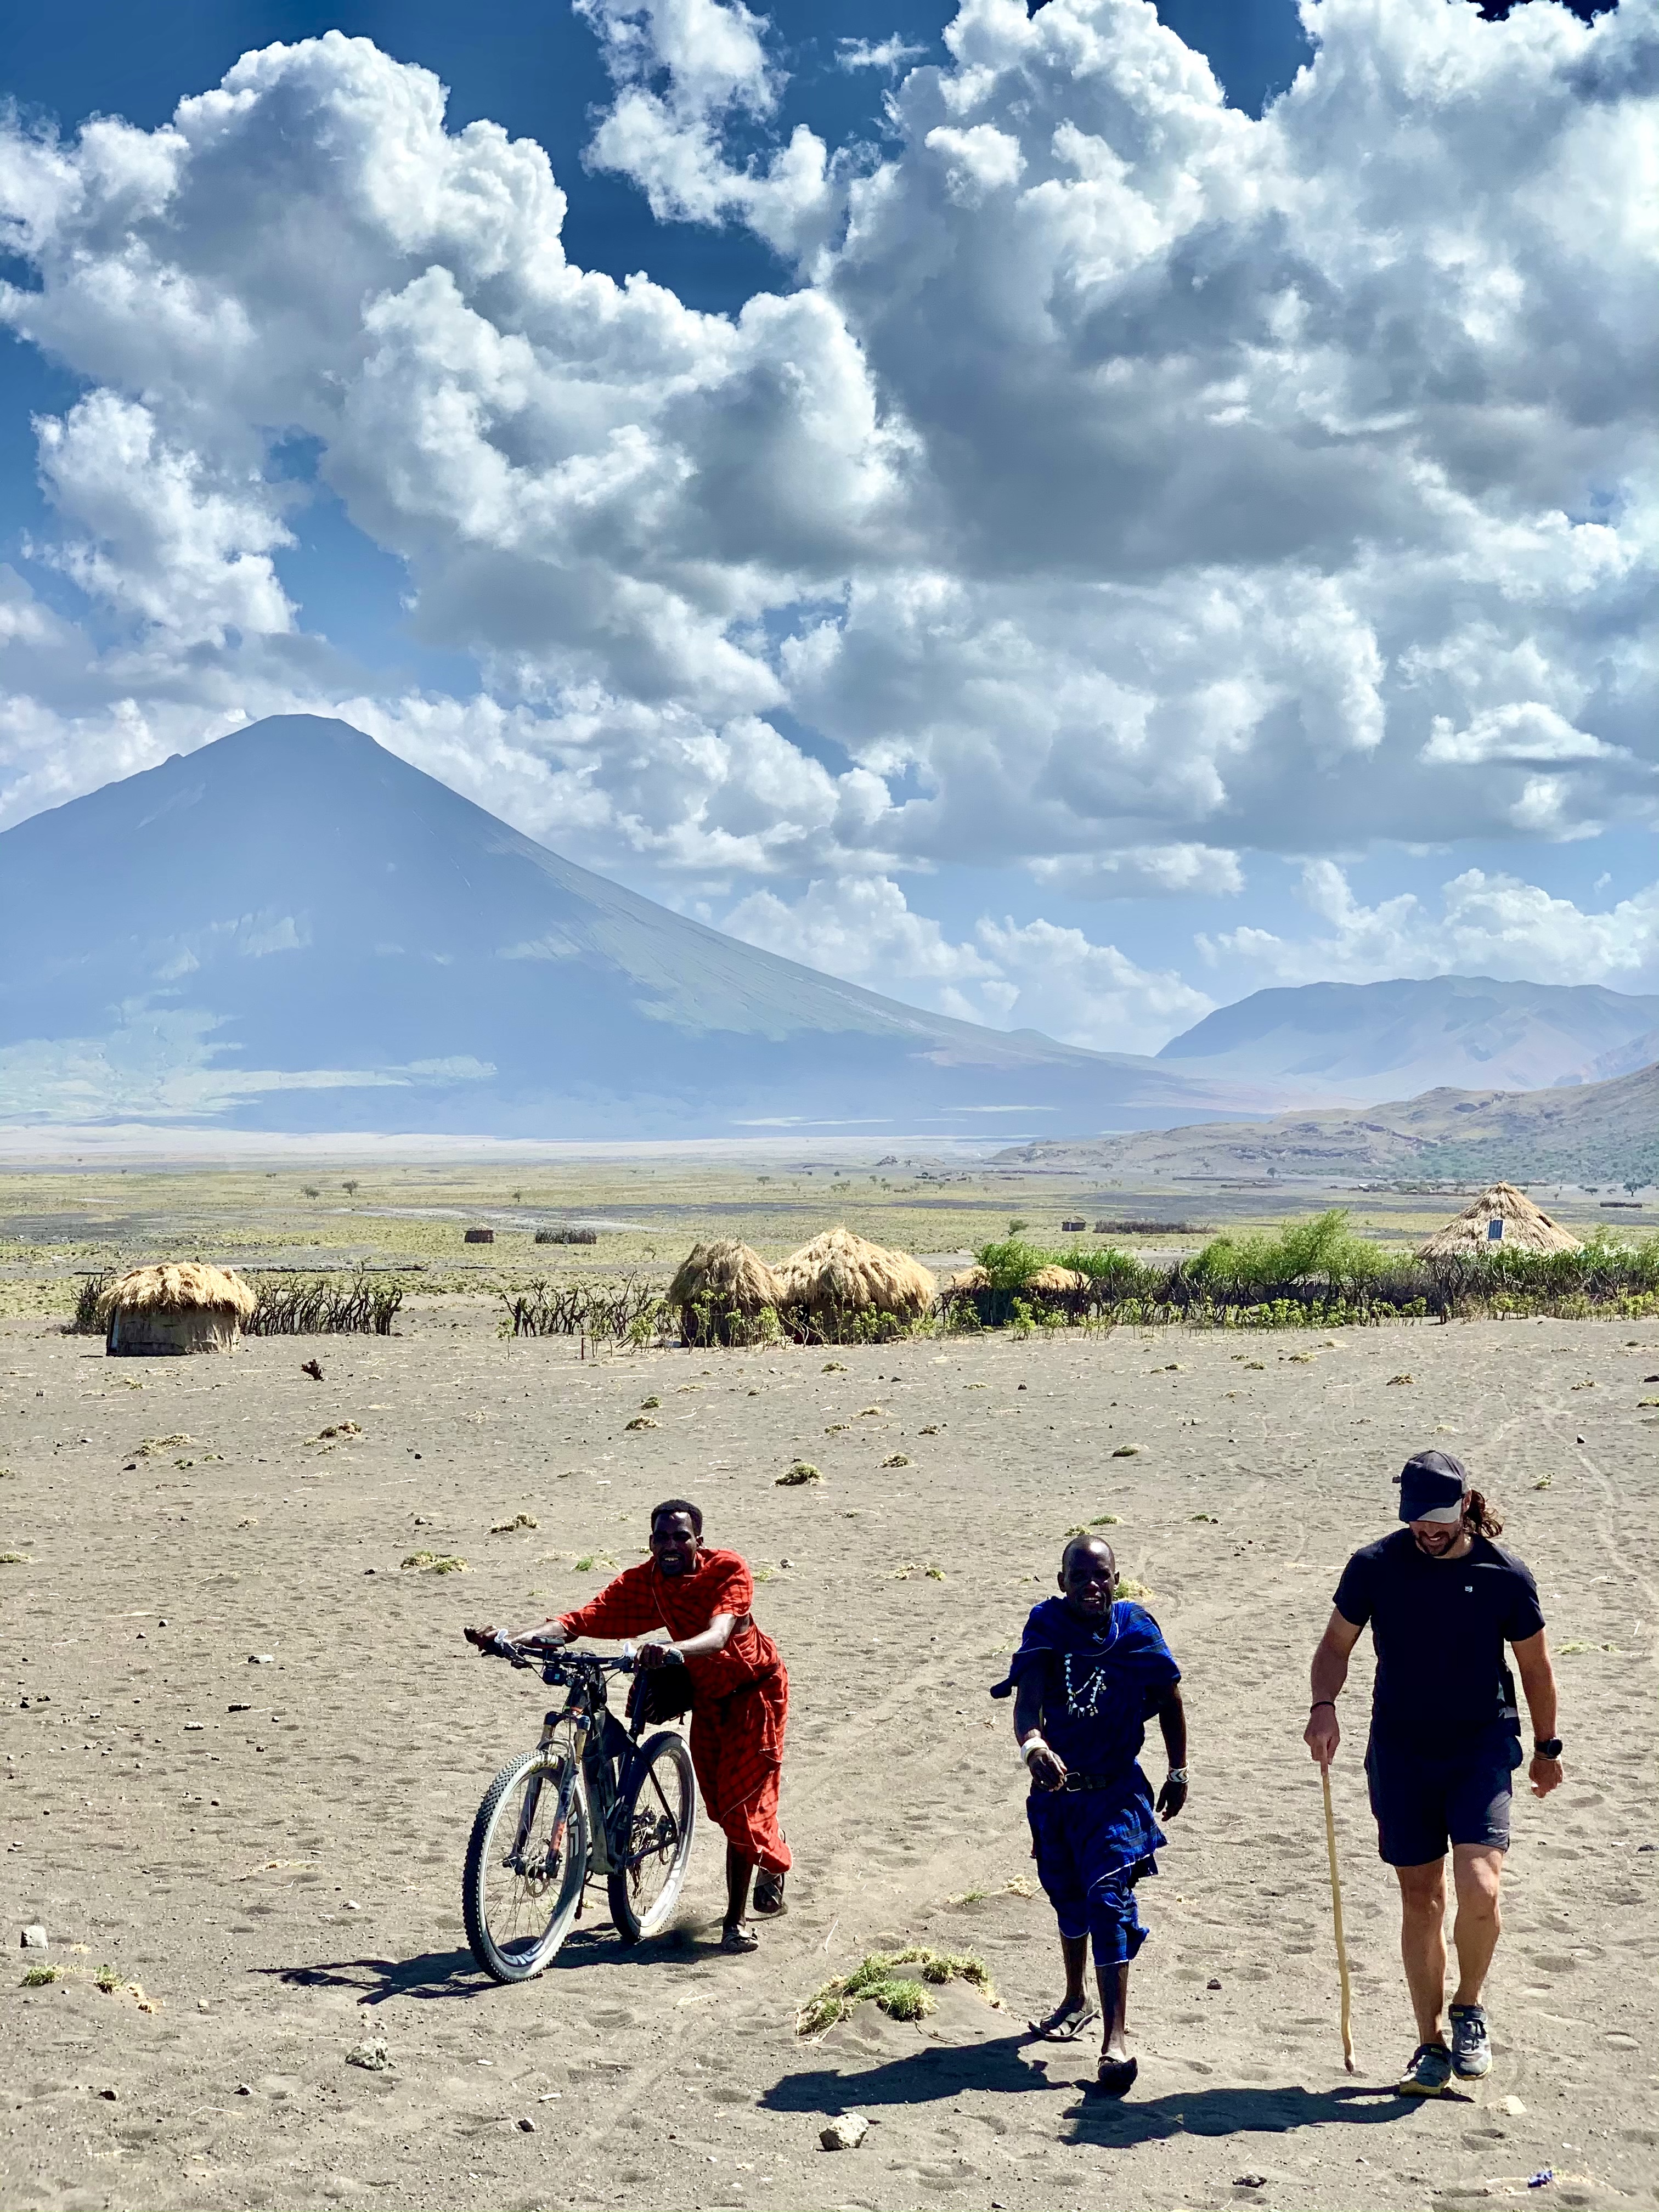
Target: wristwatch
{"type": "Point", "coordinates": [1549, 1748]}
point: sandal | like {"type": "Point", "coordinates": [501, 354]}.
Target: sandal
{"type": "Point", "coordinates": [768, 1895]}
{"type": "Point", "coordinates": [739, 1936]}
{"type": "Point", "coordinates": [1063, 2025]}
{"type": "Point", "coordinates": [1116, 2076]}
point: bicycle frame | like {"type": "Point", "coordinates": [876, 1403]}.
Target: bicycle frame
{"type": "Point", "coordinates": [602, 1750]}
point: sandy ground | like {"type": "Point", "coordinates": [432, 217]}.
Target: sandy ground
{"type": "Point", "coordinates": [273, 1853]}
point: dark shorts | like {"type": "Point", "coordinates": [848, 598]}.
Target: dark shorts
{"type": "Point", "coordinates": [1425, 1802]}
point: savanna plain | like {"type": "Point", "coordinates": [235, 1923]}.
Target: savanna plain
{"type": "Point", "coordinates": [244, 1741]}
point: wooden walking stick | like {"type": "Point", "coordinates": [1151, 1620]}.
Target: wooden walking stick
{"type": "Point", "coordinates": [1336, 1915]}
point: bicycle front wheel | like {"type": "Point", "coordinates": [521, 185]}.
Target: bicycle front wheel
{"type": "Point", "coordinates": [527, 1861]}
{"type": "Point", "coordinates": [654, 1821]}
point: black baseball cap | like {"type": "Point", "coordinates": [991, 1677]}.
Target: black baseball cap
{"type": "Point", "coordinates": [1433, 1487]}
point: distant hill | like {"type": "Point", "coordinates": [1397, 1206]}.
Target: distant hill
{"type": "Point", "coordinates": [292, 929]}
{"type": "Point", "coordinates": [1601, 1134]}
{"type": "Point", "coordinates": [1357, 1041]}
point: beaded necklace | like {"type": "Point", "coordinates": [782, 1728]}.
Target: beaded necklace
{"type": "Point", "coordinates": [1085, 1704]}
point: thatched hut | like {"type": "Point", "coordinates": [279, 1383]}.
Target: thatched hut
{"type": "Point", "coordinates": [721, 1290]}
{"type": "Point", "coordinates": [152, 1312]}
{"type": "Point", "coordinates": [1055, 1282]}
{"type": "Point", "coordinates": [970, 1281]}
{"type": "Point", "coordinates": [1502, 1219]}
{"type": "Point", "coordinates": [839, 1277]}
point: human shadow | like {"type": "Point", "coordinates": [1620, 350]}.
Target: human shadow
{"type": "Point", "coordinates": [431, 1974]}
{"type": "Point", "coordinates": [1009, 2066]}
{"type": "Point", "coordinates": [1119, 2123]}
{"type": "Point", "coordinates": [936, 2071]}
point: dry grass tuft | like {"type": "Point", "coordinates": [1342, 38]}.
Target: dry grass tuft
{"type": "Point", "coordinates": [435, 1563]}
{"type": "Point", "coordinates": [802, 1470]}
{"type": "Point", "coordinates": [518, 1520]}
{"type": "Point", "coordinates": [878, 1980]}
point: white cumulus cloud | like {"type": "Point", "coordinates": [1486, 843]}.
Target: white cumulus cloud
{"type": "Point", "coordinates": [1120, 489]}
{"type": "Point", "coordinates": [1030, 975]}
{"type": "Point", "coordinates": [1486, 925]}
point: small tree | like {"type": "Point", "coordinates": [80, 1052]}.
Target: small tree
{"type": "Point", "coordinates": [350, 1188]}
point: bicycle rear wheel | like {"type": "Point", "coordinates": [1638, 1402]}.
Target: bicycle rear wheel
{"type": "Point", "coordinates": [527, 1861]}
{"type": "Point", "coordinates": [655, 1817]}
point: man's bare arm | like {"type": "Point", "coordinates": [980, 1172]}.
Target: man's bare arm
{"type": "Point", "coordinates": [1329, 1673]}
{"type": "Point", "coordinates": [1047, 1767]}
{"type": "Point", "coordinates": [1532, 1659]}
{"type": "Point", "coordinates": [714, 1637]}
{"type": "Point", "coordinates": [1172, 1720]}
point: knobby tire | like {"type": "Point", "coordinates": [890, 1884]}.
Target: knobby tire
{"type": "Point", "coordinates": [516, 1920]}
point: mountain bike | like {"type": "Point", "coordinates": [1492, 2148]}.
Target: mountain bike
{"type": "Point", "coordinates": [590, 1800]}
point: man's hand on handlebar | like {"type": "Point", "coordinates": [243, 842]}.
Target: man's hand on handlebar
{"type": "Point", "coordinates": [545, 1633]}
{"type": "Point", "coordinates": [651, 1656]}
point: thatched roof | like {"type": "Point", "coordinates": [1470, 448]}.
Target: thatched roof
{"type": "Point", "coordinates": [971, 1279]}
{"type": "Point", "coordinates": [1055, 1279]}
{"type": "Point", "coordinates": [1524, 1227]}
{"type": "Point", "coordinates": [179, 1290]}
{"type": "Point", "coordinates": [841, 1272]}
{"type": "Point", "coordinates": [729, 1275]}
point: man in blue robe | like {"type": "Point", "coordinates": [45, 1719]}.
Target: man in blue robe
{"type": "Point", "coordinates": [1091, 1670]}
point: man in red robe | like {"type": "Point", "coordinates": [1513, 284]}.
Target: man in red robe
{"type": "Point", "coordinates": [740, 1692]}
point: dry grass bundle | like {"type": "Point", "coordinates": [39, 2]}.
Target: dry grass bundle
{"type": "Point", "coordinates": [724, 1293]}
{"type": "Point", "coordinates": [167, 1310]}
{"type": "Point", "coordinates": [728, 1274]}
{"type": "Point", "coordinates": [177, 1289]}
{"type": "Point", "coordinates": [1056, 1281]}
{"type": "Point", "coordinates": [840, 1276]}
{"type": "Point", "coordinates": [1501, 1219]}
{"type": "Point", "coordinates": [971, 1279]}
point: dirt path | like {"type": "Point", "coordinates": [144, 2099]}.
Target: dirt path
{"type": "Point", "coordinates": [271, 1852]}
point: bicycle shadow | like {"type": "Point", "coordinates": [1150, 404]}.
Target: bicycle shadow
{"type": "Point", "coordinates": [1007, 2066]}
{"type": "Point", "coordinates": [429, 1974]}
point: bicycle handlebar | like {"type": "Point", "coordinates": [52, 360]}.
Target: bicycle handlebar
{"type": "Point", "coordinates": [553, 1659]}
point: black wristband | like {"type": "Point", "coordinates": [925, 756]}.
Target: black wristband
{"type": "Point", "coordinates": [1549, 1747]}
{"type": "Point", "coordinates": [1318, 1702]}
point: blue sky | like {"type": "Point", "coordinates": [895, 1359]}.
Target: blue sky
{"type": "Point", "coordinates": [1148, 548]}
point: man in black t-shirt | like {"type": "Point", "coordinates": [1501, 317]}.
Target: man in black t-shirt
{"type": "Point", "coordinates": [1442, 1600]}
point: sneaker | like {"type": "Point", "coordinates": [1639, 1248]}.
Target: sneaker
{"type": "Point", "coordinates": [1471, 2045]}
{"type": "Point", "coordinates": [1429, 2074]}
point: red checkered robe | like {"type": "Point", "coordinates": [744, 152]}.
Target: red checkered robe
{"type": "Point", "coordinates": [741, 1695]}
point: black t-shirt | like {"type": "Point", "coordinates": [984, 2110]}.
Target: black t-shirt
{"type": "Point", "coordinates": [1440, 1626]}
